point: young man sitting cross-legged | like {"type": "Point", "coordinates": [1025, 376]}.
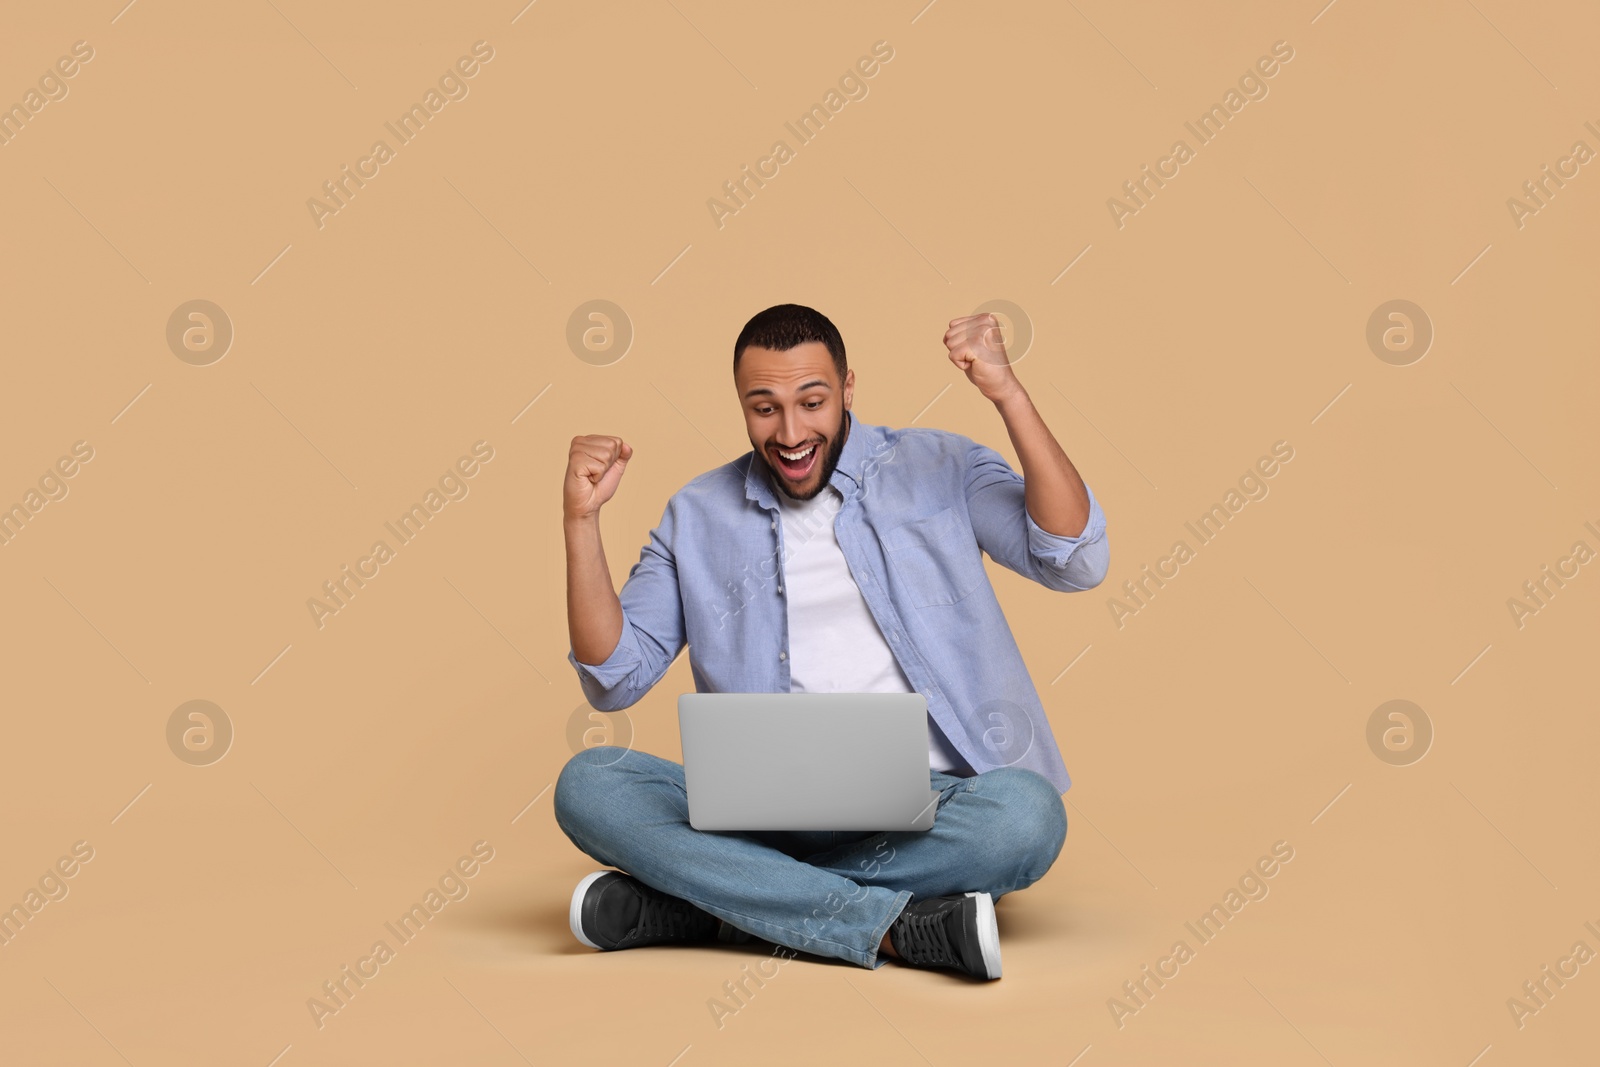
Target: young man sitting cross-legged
{"type": "Point", "coordinates": [836, 556]}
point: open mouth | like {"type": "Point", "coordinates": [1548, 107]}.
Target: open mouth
{"type": "Point", "coordinates": [799, 466]}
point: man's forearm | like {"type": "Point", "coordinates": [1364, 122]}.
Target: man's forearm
{"type": "Point", "coordinates": [594, 614]}
{"type": "Point", "coordinates": [1055, 494]}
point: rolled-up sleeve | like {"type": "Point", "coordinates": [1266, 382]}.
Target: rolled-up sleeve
{"type": "Point", "coordinates": [653, 630]}
{"type": "Point", "coordinates": [997, 505]}
{"type": "Point", "coordinates": [1079, 562]}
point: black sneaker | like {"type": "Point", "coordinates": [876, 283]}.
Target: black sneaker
{"type": "Point", "coordinates": [611, 910]}
{"type": "Point", "coordinates": [957, 931]}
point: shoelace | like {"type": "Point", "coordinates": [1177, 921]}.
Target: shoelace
{"type": "Point", "coordinates": [925, 939]}
{"type": "Point", "coordinates": [661, 916]}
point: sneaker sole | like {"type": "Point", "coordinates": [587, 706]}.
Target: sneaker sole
{"type": "Point", "coordinates": [988, 935]}
{"type": "Point", "coordinates": [575, 912]}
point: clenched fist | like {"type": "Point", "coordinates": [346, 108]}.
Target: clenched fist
{"type": "Point", "coordinates": [976, 347]}
{"type": "Point", "coordinates": [594, 467]}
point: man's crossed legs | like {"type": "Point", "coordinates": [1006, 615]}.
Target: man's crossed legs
{"type": "Point", "coordinates": [830, 893]}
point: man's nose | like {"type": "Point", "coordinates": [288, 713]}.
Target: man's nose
{"type": "Point", "coordinates": [792, 432]}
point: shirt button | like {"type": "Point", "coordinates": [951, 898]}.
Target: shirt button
{"type": "Point", "coordinates": [780, 590]}
{"type": "Point", "coordinates": [783, 655]}
{"type": "Point", "coordinates": [897, 635]}
{"type": "Point", "coordinates": [774, 524]}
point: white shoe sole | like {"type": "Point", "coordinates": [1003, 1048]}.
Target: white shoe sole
{"type": "Point", "coordinates": [988, 935]}
{"type": "Point", "coordinates": [575, 912]}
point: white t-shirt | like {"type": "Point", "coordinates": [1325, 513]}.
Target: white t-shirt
{"type": "Point", "coordinates": [835, 645]}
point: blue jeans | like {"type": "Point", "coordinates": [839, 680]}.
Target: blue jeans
{"type": "Point", "coordinates": [829, 893]}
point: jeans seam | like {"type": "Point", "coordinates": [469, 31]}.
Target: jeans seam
{"type": "Point", "coordinates": [901, 898]}
{"type": "Point", "coordinates": [813, 940]}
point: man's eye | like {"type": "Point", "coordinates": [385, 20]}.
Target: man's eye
{"type": "Point", "coordinates": [810, 406]}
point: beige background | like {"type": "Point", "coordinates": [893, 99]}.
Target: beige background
{"type": "Point", "coordinates": [433, 710]}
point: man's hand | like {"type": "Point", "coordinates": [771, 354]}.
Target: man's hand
{"type": "Point", "coordinates": [594, 468]}
{"type": "Point", "coordinates": [976, 347]}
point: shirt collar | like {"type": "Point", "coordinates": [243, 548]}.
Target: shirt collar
{"type": "Point", "coordinates": [847, 475]}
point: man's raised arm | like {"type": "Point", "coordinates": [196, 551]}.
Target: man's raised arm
{"type": "Point", "coordinates": [594, 614]}
{"type": "Point", "coordinates": [1061, 542]}
{"type": "Point", "coordinates": [622, 643]}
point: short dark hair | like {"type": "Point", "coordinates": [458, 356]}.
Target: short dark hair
{"type": "Point", "coordinates": [784, 326]}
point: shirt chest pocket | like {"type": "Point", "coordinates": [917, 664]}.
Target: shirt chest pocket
{"type": "Point", "coordinates": [935, 560]}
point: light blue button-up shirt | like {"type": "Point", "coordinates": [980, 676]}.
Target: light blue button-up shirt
{"type": "Point", "coordinates": [921, 507]}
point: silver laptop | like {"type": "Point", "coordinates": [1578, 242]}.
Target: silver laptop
{"type": "Point", "coordinates": [806, 761]}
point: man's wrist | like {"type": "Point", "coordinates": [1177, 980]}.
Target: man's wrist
{"type": "Point", "coordinates": [580, 523]}
{"type": "Point", "coordinates": [1014, 398]}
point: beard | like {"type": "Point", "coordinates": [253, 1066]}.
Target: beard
{"type": "Point", "coordinates": [829, 463]}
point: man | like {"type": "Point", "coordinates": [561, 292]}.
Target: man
{"type": "Point", "coordinates": [836, 556]}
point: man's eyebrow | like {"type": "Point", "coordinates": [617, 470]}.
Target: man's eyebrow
{"type": "Point", "coordinates": [764, 391]}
